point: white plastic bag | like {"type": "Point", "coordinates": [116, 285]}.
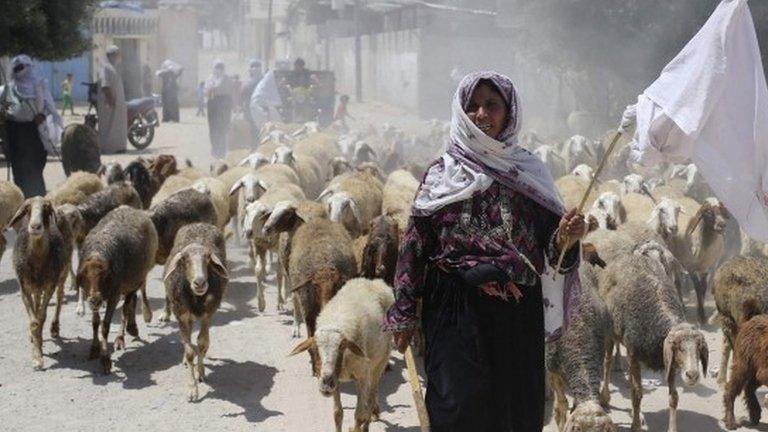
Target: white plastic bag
{"type": "Point", "coordinates": [50, 134]}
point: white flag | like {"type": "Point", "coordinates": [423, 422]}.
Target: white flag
{"type": "Point", "coordinates": [710, 105]}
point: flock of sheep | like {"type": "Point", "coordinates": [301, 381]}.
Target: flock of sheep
{"type": "Point", "coordinates": [313, 207]}
{"type": "Point", "coordinates": [656, 232]}
{"type": "Point", "coordinates": [324, 210]}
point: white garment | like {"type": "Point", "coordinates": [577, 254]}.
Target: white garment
{"type": "Point", "coordinates": [710, 104]}
{"type": "Point", "coordinates": [264, 100]}
{"type": "Point", "coordinates": [113, 120]}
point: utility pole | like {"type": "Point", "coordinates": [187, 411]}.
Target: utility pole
{"type": "Point", "coordinates": [268, 37]}
{"type": "Point", "coordinates": [358, 55]}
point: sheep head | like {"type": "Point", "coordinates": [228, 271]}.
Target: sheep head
{"type": "Point", "coordinates": [658, 252]}
{"type": "Point", "coordinates": [112, 172]}
{"type": "Point", "coordinates": [93, 271]}
{"type": "Point", "coordinates": [254, 160]}
{"type": "Point", "coordinates": [284, 218]}
{"type": "Point", "coordinates": [252, 188]}
{"type": "Point", "coordinates": [195, 262]}
{"type": "Point", "coordinates": [634, 183]}
{"type": "Point", "coordinates": [40, 215]}
{"type": "Point", "coordinates": [70, 215]}
{"type": "Point", "coordinates": [663, 218]}
{"type": "Point", "coordinates": [608, 211]}
{"type": "Point", "coordinates": [331, 347]}
{"type": "Point", "coordinates": [380, 253]}
{"type": "Point", "coordinates": [256, 215]}
{"type": "Point", "coordinates": [218, 167]}
{"type": "Point", "coordinates": [337, 166]}
{"type": "Point", "coordinates": [364, 153]}
{"type": "Point", "coordinates": [589, 416]}
{"type": "Point", "coordinates": [714, 215]}
{"type": "Point", "coordinates": [343, 209]}
{"type": "Point", "coordinates": [684, 349]}
{"type": "Point", "coordinates": [583, 171]}
{"type": "Point", "coordinates": [284, 155]}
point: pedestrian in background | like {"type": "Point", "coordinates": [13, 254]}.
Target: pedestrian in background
{"type": "Point", "coordinates": [26, 101]}
{"type": "Point", "coordinates": [169, 74]}
{"type": "Point", "coordinates": [200, 100]}
{"type": "Point", "coordinates": [254, 76]}
{"type": "Point", "coordinates": [219, 91]}
{"type": "Point", "coordinates": [66, 95]}
{"type": "Point", "coordinates": [113, 112]}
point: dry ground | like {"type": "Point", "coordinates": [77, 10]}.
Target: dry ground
{"type": "Point", "coordinates": [252, 384]}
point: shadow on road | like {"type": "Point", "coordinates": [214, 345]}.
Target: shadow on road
{"type": "Point", "coordinates": [8, 286]}
{"type": "Point", "coordinates": [235, 305]}
{"type": "Point", "coordinates": [244, 384]}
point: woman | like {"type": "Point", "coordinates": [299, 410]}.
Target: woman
{"type": "Point", "coordinates": [169, 74]}
{"type": "Point", "coordinates": [27, 102]}
{"type": "Point", "coordinates": [486, 222]}
{"type": "Point", "coordinates": [219, 91]}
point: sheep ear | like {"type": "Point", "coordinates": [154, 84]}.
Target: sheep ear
{"type": "Point", "coordinates": [236, 187]}
{"type": "Point", "coordinates": [218, 266]}
{"type": "Point", "coordinates": [703, 354]}
{"type": "Point", "coordinates": [20, 213]}
{"type": "Point", "coordinates": [262, 185]}
{"type": "Point", "coordinates": [669, 358]}
{"type": "Point", "coordinates": [173, 265]}
{"type": "Point", "coordinates": [354, 348]}
{"type": "Point", "coordinates": [303, 346]}
{"type": "Point", "coordinates": [356, 213]}
{"type": "Point", "coordinates": [101, 171]}
{"type": "Point", "coordinates": [49, 214]}
{"type": "Point", "coordinates": [325, 194]}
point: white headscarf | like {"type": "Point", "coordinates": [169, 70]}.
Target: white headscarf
{"type": "Point", "coordinates": [29, 86]}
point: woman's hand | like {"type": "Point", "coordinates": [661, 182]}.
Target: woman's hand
{"type": "Point", "coordinates": [571, 229]}
{"type": "Point", "coordinates": [403, 339]}
{"type": "Point", "coordinates": [39, 119]}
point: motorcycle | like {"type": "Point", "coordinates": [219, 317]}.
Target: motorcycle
{"type": "Point", "coordinates": [142, 117]}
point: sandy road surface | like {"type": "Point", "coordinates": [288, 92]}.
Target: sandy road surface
{"type": "Point", "coordinates": [252, 384]}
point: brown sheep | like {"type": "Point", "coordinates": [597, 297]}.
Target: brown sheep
{"type": "Point", "coordinates": [380, 254]}
{"type": "Point", "coordinates": [750, 364]}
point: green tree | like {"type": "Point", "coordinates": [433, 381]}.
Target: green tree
{"type": "Point", "coordinates": [45, 29]}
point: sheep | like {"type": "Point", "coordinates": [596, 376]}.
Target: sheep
{"type": "Point", "coordinates": [320, 146]}
{"type": "Point", "coordinates": [638, 207]}
{"type": "Point", "coordinates": [338, 166]}
{"type": "Point", "coordinates": [649, 320]}
{"type": "Point", "coordinates": [398, 195]}
{"type": "Point", "coordinates": [583, 171]}
{"type": "Point", "coordinates": [379, 257]}
{"type": "Point", "coordinates": [41, 258]}
{"type": "Point", "coordinates": [749, 363]}
{"type": "Point", "coordinates": [608, 210]}
{"type": "Point", "coordinates": [218, 167]}
{"type": "Point", "coordinates": [219, 195]}
{"type": "Point", "coordinates": [635, 183]}
{"type": "Point", "coordinates": [116, 257]}
{"type": "Point", "coordinates": [738, 280]}
{"type": "Point", "coordinates": [572, 189]}
{"type": "Point", "coordinates": [694, 185]}
{"type": "Point", "coordinates": [751, 247]}
{"type": "Point", "coordinates": [251, 186]}
{"type": "Point", "coordinates": [138, 175]}
{"type": "Point", "coordinates": [230, 177]}
{"type": "Point", "coordinates": [192, 173]}
{"type": "Point", "coordinates": [353, 200]}
{"type": "Point", "coordinates": [195, 281]}
{"type": "Point", "coordinates": [579, 150]}
{"type": "Point", "coordinates": [112, 172]}
{"type": "Point", "coordinates": [351, 347]}
{"type": "Point", "coordinates": [79, 149]}
{"type": "Point", "coordinates": [575, 361]}
{"type": "Point", "coordinates": [256, 214]}
{"type": "Point", "coordinates": [702, 247]}
{"type": "Point", "coordinates": [160, 168]}
{"type": "Point", "coordinates": [307, 169]}
{"type": "Point", "coordinates": [320, 260]}
{"type": "Point", "coordinates": [171, 185]}
{"type": "Point", "coordinates": [254, 160]}
{"type": "Point", "coordinates": [75, 189]}
{"type": "Point", "coordinates": [182, 208]}
{"type": "Point", "coordinates": [11, 198]}
{"type": "Point", "coordinates": [100, 203]}
{"type": "Point", "coordinates": [363, 153]}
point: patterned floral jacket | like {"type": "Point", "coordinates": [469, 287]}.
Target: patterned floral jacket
{"type": "Point", "coordinates": [481, 230]}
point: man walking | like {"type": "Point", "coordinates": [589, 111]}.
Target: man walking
{"type": "Point", "coordinates": [113, 112]}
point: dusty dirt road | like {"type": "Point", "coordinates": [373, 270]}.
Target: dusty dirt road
{"type": "Point", "coordinates": [252, 384]}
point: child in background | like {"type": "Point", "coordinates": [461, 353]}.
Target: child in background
{"type": "Point", "coordinates": [201, 100]}
{"type": "Point", "coordinates": [66, 95]}
{"type": "Point", "coordinates": [341, 111]}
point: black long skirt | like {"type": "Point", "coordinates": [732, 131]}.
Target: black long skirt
{"type": "Point", "coordinates": [170, 99]}
{"type": "Point", "coordinates": [484, 358]}
{"type": "Point", "coordinates": [27, 156]}
{"type": "Point", "coordinates": [219, 117]}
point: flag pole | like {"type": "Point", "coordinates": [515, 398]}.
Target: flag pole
{"type": "Point", "coordinates": [591, 186]}
{"type": "Point", "coordinates": [418, 398]}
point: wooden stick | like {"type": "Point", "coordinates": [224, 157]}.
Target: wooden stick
{"type": "Point", "coordinates": [418, 398]}
{"type": "Point", "coordinates": [590, 187]}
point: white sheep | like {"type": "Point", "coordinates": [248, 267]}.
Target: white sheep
{"type": "Point", "coordinates": [579, 150]}
{"type": "Point", "coordinates": [398, 195]}
{"type": "Point", "coordinates": [553, 161]}
{"type": "Point", "coordinates": [354, 200]}
{"type": "Point", "coordinates": [583, 171]}
{"type": "Point", "coordinates": [219, 195]}
{"type": "Point", "coordinates": [254, 160]}
{"type": "Point", "coordinates": [307, 169]}
{"type": "Point", "coordinates": [351, 346]}
{"type": "Point", "coordinates": [608, 210]}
